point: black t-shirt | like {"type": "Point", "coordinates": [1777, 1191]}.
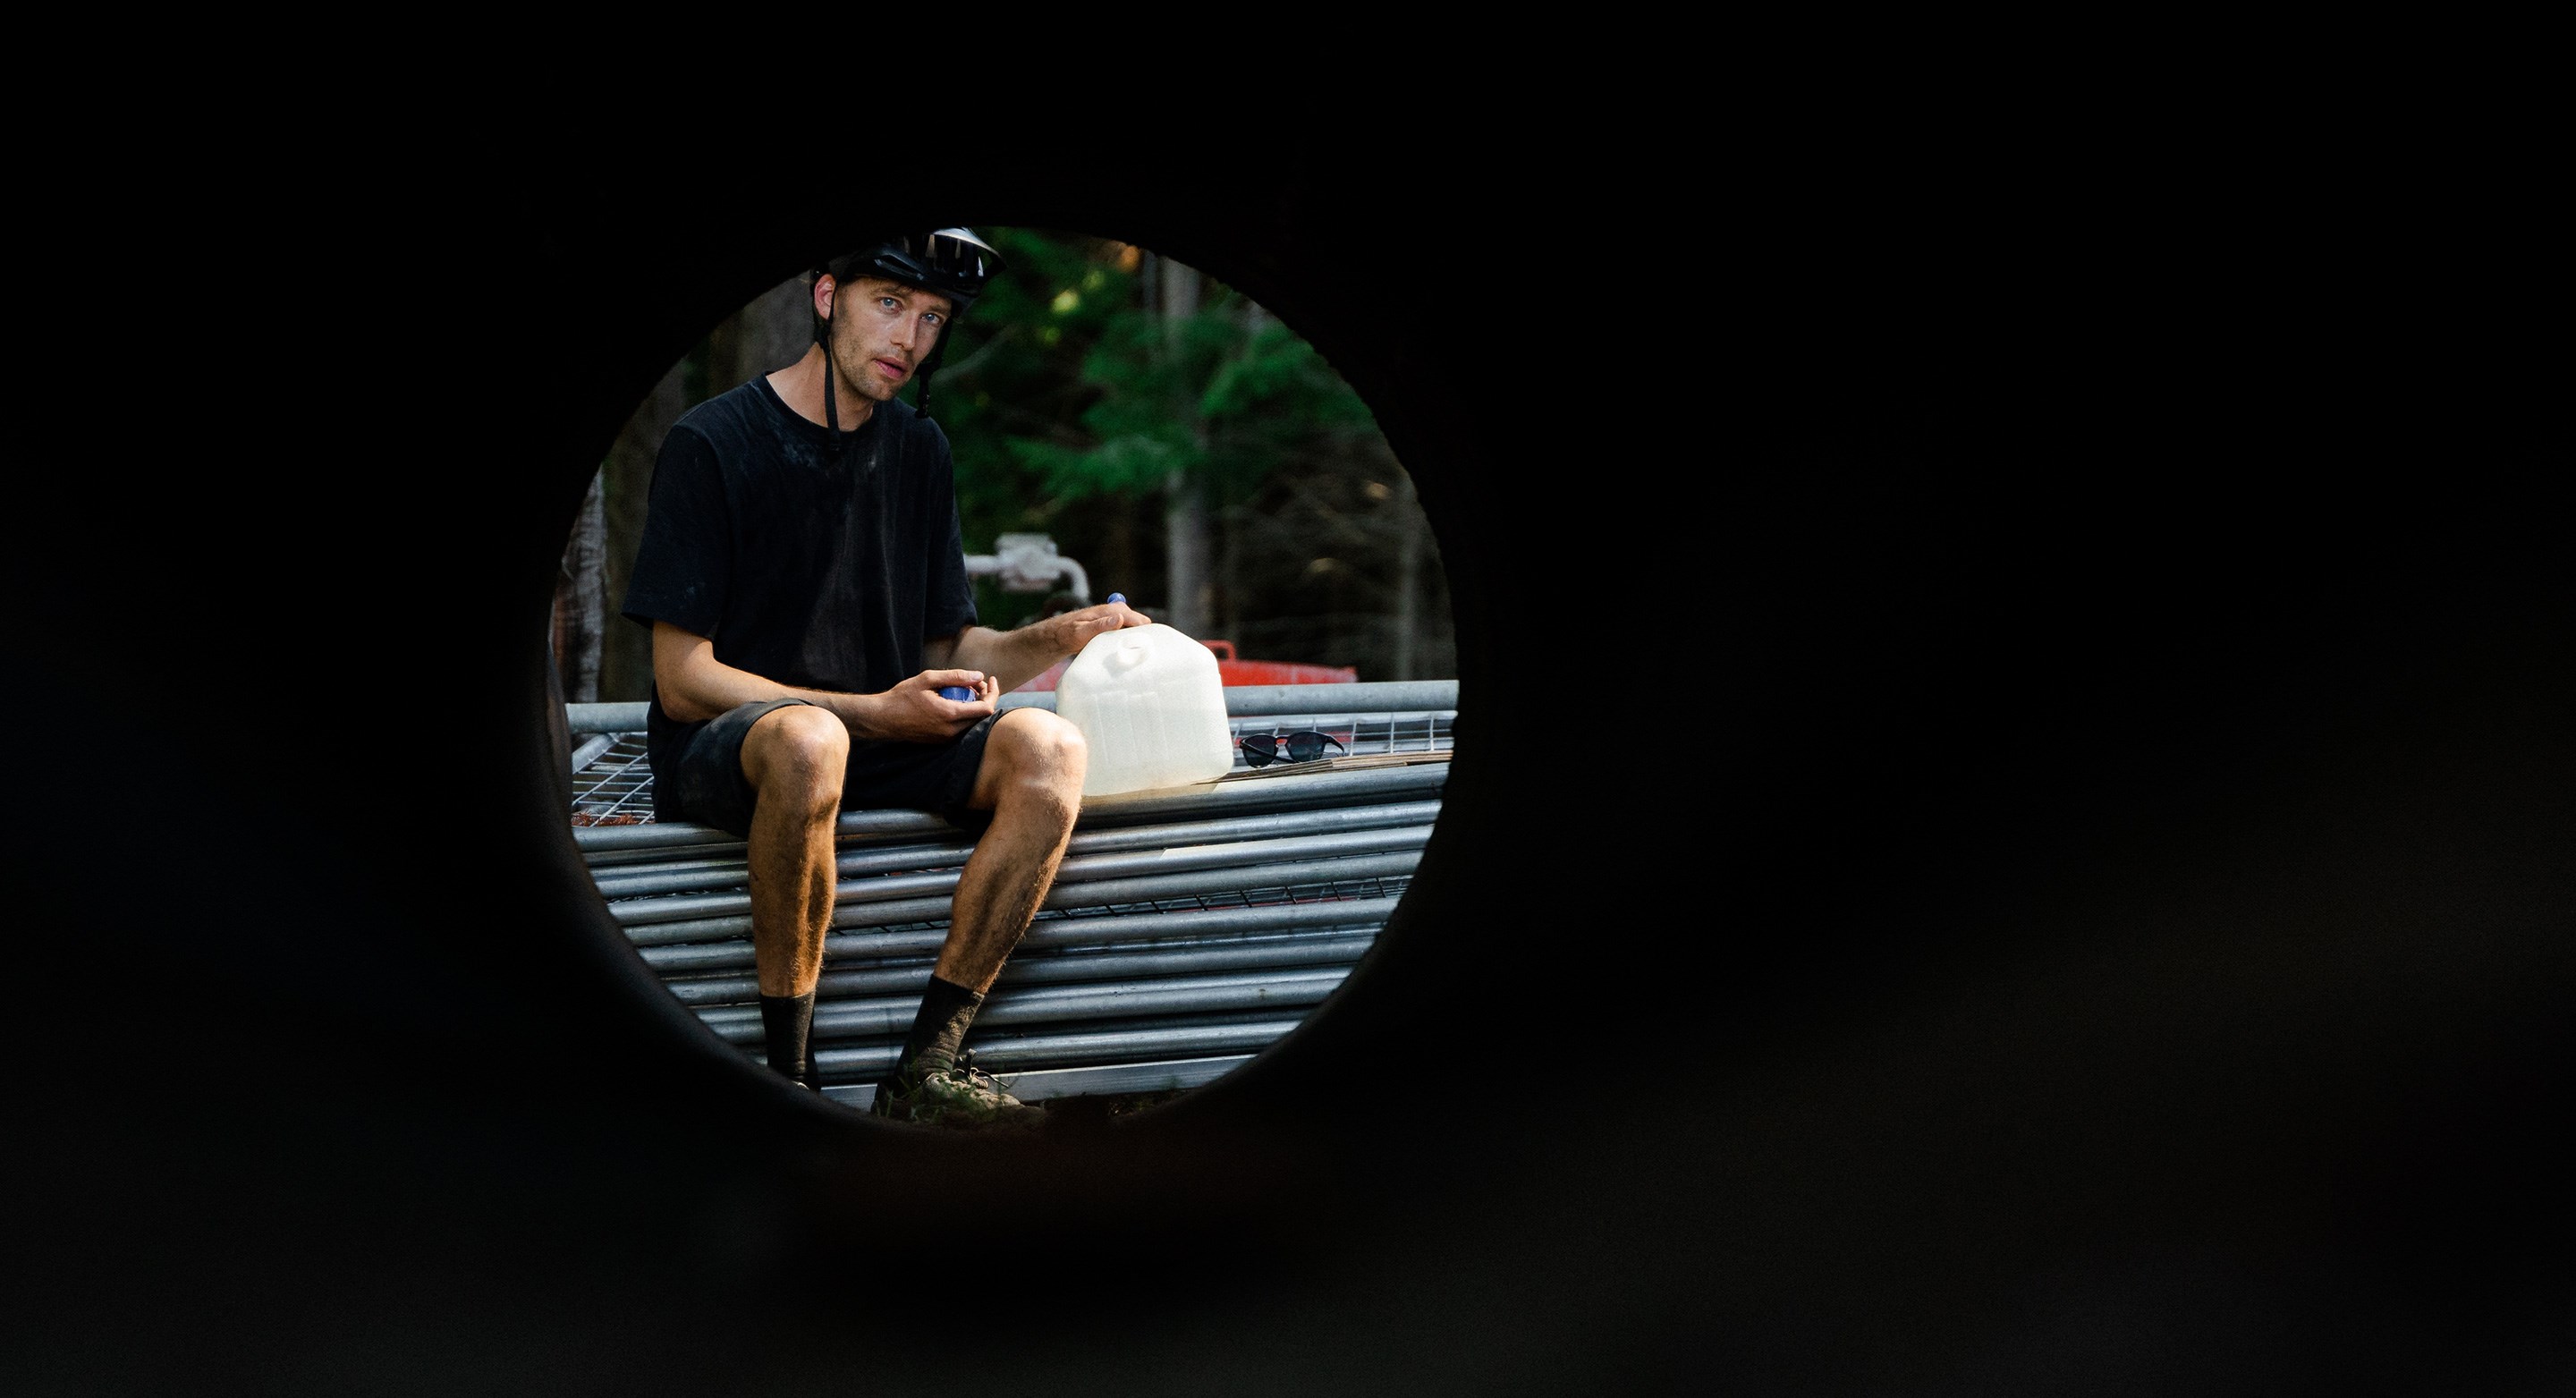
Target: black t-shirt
{"type": "Point", "coordinates": [813, 566]}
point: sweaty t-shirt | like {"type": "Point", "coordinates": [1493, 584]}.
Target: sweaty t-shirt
{"type": "Point", "coordinates": [813, 564]}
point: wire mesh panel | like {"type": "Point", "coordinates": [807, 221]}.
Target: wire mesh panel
{"type": "Point", "coordinates": [612, 782]}
{"type": "Point", "coordinates": [1185, 931]}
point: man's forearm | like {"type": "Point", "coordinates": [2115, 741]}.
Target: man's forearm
{"type": "Point", "coordinates": [694, 686]}
{"type": "Point", "coordinates": [1013, 658]}
{"type": "Point", "coordinates": [709, 694]}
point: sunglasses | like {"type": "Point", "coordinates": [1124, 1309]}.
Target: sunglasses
{"type": "Point", "coordinates": [1263, 749]}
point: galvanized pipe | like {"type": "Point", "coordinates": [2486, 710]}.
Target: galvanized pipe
{"type": "Point", "coordinates": [1106, 893]}
{"type": "Point", "coordinates": [646, 880]}
{"type": "Point", "coordinates": [910, 890]}
{"type": "Point", "coordinates": [1116, 892]}
{"type": "Point", "coordinates": [873, 1018]}
{"type": "Point", "coordinates": [1068, 1050]}
{"type": "Point", "coordinates": [677, 834]}
{"type": "Point", "coordinates": [1052, 933]}
{"type": "Point", "coordinates": [655, 879]}
{"type": "Point", "coordinates": [643, 876]}
{"type": "Point", "coordinates": [1218, 829]}
{"type": "Point", "coordinates": [1073, 873]}
{"type": "Point", "coordinates": [605, 718]}
{"type": "Point", "coordinates": [1214, 830]}
{"type": "Point", "coordinates": [601, 853]}
{"type": "Point", "coordinates": [591, 748]}
{"type": "Point", "coordinates": [1294, 791]}
{"type": "Point", "coordinates": [1269, 953]}
{"type": "Point", "coordinates": [1287, 791]}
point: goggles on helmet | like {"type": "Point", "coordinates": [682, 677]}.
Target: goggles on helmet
{"type": "Point", "coordinates": [950, 261]}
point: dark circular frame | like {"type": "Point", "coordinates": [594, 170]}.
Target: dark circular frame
{"type": "Point", "coordinates": [2107, 915]}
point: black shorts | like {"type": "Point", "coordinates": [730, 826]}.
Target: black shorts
{"type": "Point", "coordinates": [706, 784]}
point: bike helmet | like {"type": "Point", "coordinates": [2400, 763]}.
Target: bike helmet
{"type": "Point", "coordinates": [950, 262]}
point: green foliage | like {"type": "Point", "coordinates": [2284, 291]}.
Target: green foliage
{"type": "Point", "coordinates": [1277, 369]}
{"type": "Point", "coordinates": [1062, 386]}
{"type": "Point", "coordinates": [1072, 404]}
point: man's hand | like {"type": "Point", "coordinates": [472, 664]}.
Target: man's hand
{"type": "Point", "coordinates": [1069, 632]}
{"type": "Point", "coordinates": [1017, 655]}
{"type": "Point", "coordinates": [915, 712]}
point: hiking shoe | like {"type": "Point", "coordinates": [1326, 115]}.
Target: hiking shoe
{"type": "Point", "coordinates": [962, 1096]}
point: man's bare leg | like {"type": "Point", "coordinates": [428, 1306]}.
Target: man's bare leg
{"type": "Point", "coordinates": [1032, 783]}
{"type": "Point", "coordinates": [795, 758]}
{"type": "Point", "coordinates": [1031, 780]}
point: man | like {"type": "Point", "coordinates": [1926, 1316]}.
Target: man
{"type": "Point", "coordinates": [803, 574]}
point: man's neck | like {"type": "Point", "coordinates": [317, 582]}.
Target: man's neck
{"type": "Point", "coordinates": [800, 387]}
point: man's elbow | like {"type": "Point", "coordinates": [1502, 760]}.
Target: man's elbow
{"type": "Point", "coordinates": [671, 689]}
{"type": "Point", "coordinates": [675, 654]}
{"type": "Point", "coordinates": [681, 707]}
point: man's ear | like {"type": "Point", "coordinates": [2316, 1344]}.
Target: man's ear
{"type": "Point", "coordinates": [824, 286]}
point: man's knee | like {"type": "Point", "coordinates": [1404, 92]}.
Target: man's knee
{"type": "Point", "coordinates": [799, 746]}
{"type": "Point", "coordinates": [1036, 747]}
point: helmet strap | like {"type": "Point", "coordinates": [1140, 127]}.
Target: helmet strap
{"type": "Point", "coordinates": [831, 399]}
{"type": "Point", "coordinates": [921, 400]}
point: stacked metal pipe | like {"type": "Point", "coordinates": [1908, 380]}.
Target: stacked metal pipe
{"type": "Point", "coordinates": [1186, 930]}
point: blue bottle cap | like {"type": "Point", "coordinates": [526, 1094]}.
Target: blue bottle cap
{"type": "Point", "coordinates": [958, 692]}
{"type": "Point", "coordinates": [1117, 597]}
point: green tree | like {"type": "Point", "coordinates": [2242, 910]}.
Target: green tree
{"type": "Point", "coordinates": [1087, 377]}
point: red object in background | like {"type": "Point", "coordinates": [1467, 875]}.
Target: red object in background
{"type": "Point", "coordinates": [1230, 671]}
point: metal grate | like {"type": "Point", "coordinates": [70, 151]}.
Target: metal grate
{"type": "Point", "coordinates": [612, 782]}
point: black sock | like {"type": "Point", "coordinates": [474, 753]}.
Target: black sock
{"type": "Point", "coordinates": [785, 1021]}
{"type": "Point", "coordinates": [946, 1009]}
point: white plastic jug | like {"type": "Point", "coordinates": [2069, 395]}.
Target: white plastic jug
{"type": "Point", "coordinates": [1149, 702]}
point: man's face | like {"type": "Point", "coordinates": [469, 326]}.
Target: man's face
{"type": "Point", "coordinates": [881, 331]}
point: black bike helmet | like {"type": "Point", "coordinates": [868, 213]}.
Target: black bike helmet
{"type": "Point", "coordinates": [950, 262]}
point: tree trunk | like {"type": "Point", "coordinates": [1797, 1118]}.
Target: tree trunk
{"type": "Point", "coordinates": [1230, 575]}
{"type": "Point", "coordinates": [1116, 571]}
{"type": "Point", "coordinates": [1185, 514]}
{"type": "Point", "coordinates": [1185, 544]}
{"type": "Point", "coordinates": [582, 599]}
{"type": "Point", "coordinates": [626, 657]}
{"type": "Point", "coordinates": [1408, 579]}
